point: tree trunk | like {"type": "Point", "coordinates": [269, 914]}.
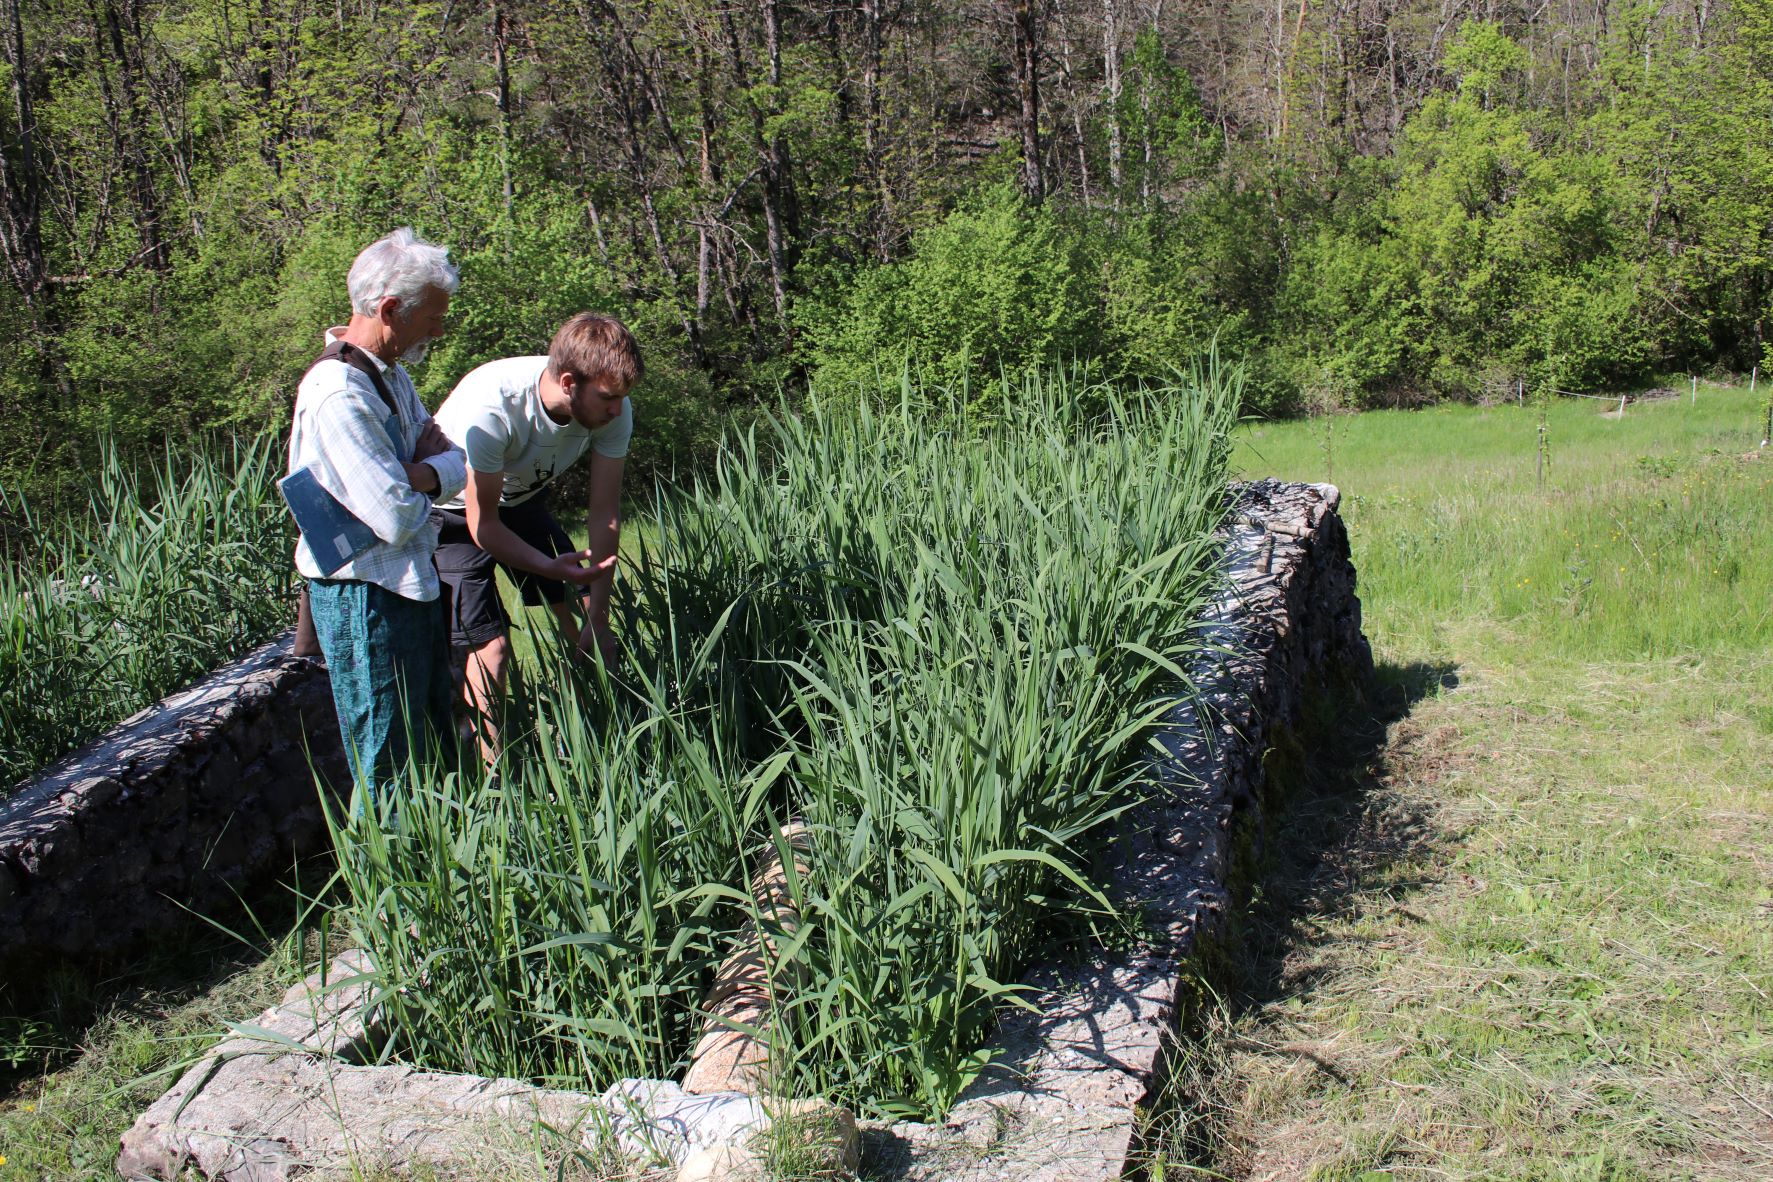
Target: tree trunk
{"type": "Point", "coordinates": [872, 153]}
{"type": "Point", "coordinates": [1111, 85]}
{"type": "Point", "coordinates": [772, 193]}
{"type": "Point", "coordinates": [21, 232]}
{"type": "Point", "coordinates": [130, 68]}
{"type": "Point", "coordinates": [710, 180]}
{"type": "Point", "coordinates": [502, 80]}
{"type": "Point", "coordinates": [1028, 84]}
{"type": "Point", "coordinates": [618, 72]}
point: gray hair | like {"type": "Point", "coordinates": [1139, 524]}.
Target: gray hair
{"type": "Point", "coordinates": [402, 265]}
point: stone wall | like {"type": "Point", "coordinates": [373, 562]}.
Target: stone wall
{"type": "Point", "coordinates": [174, 810]}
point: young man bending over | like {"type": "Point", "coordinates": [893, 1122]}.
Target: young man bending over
{"type": "Point", "coordinates": [522, 422]}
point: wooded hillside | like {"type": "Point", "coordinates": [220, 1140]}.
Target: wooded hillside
{"type": "Point", "coordinates": [1372, 200]}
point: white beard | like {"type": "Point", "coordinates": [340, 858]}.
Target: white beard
{"type": "Point", "coordinates": [416, 354]}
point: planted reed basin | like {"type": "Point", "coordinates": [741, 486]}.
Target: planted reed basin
{"type": "Point", "coordinates": [936, 638]}
{"type": "Point", "coordinates": [172, 569]}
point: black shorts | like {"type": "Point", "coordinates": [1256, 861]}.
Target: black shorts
{"type": "Point", "coordinates": [477, 613]}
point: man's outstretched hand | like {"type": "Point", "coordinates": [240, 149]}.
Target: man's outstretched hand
{"type": "Point", "coordinates": [570, 568]}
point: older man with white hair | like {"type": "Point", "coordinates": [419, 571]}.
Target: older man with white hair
{"type": "Point", "coordinates": [366, 442]}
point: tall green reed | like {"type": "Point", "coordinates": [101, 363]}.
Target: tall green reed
{"type": "Point", "coordinates": [937, 640]}
{"type": "Point", "coordinates": [965, 755]}
{"type": "Point", "coordinates": [173, 568]}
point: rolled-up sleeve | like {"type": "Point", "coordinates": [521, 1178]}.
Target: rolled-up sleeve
{"type": "Point", "coordinates": [452, 472]}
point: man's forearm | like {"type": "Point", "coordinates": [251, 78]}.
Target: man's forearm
{"type": "Point", "coordinates": [423, 478]}
{"type": "Point", "coordinates": [498, 540]}
{"type": "Point", "coordinates": [604, 538]}
{"type": "Point", "coordinates": [603, 543]}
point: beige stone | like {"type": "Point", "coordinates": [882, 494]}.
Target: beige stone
{"type": "Point", "coordinates": [804, 1138]}
{"type": "Point", "coordinates": [733, 1052]}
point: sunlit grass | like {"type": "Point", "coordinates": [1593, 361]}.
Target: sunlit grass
{"type": "Point", "coordinates": [937, 641]}
{"type": "Point", "coordinates": [1646, 541]}
{"type": "Point", "coordinates": [1529, 938]}
{"type": "Point", "coordinates": [172, 570]}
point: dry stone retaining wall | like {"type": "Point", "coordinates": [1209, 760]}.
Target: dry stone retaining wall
{"type": "Point", "coordinates": [173, 811]}
{"type": "Point", "coordinates": [1062, 1098]}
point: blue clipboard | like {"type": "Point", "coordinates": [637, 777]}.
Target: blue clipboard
{"type": "Point", "coordinates": [333, 533]}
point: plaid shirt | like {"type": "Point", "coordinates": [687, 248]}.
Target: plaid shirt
{"type": "Point", "coordinates": [339, 434]}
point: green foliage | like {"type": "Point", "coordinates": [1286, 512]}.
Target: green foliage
{"type": "Point", "coordinates": [948, 690]}
{"type": "Point", "coordinates": [991, 292]}
{"type": "Point", "coordinates": [1163, 305]}
{"type": "Point", "coordinates": [1354, 299]}
{"type": "Point", "coordinates": [517, 288]}
{"type": "Point", "coordinates": [1160, 106]}
{"type": "Point", "coordinates": [169, 573]}
{"type": "Point", "coordinates": [1484, 252]}
{"type": "Point", "coordinates": [766, 194]}
{"type": "Point", "coordinates": [1482, 57]}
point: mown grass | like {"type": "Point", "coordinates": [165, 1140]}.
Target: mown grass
{"type": "Point", "coordinates": [1528, 933]}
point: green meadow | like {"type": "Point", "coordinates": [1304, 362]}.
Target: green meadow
{"type": "Point", "coordinates": [1518, 922]}
{"type": "Point", "coordinates": [1647, 539]}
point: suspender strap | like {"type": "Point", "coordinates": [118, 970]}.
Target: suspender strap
{"type": "Point", "coordinates": [357, 359]}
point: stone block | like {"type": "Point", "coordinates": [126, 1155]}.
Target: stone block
{"type": "Point", "coordinates": [49, 852]}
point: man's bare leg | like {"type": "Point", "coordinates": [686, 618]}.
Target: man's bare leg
{"type": "Point", "coordinates": [484, 687]}
{"type": "Point", "coordinates": [487, 671]}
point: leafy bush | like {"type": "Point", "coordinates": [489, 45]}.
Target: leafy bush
{"type": "Point", "coordinates": [994, 289]}
{"type": "Point", "coordinates": [1162, 306]}
{"type": "Point", "coordinates": [1485, 250]}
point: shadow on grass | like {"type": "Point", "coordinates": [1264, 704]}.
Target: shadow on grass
{"type": "Point", "coordinates": [1332, 834]}
{"type": "Point", "coordinates": [56, 1014]}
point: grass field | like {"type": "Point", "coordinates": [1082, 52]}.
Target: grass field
{"type": "Point", "coordinates": [1525, 930]}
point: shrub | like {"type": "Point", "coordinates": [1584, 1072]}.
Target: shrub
{"type": "Point", "coordinates": [992, 291]}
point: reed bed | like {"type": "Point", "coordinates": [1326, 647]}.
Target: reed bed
{"type": "Point", "coordinates": [173, 568]}
{"type": "Point", "coordinates": [936, 639]}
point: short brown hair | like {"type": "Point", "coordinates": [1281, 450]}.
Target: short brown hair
{"type": "Point", "coordinates": [590, 346]}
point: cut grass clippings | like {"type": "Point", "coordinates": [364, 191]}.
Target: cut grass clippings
{"type": "Point", "coordinates": [1529, 933]}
